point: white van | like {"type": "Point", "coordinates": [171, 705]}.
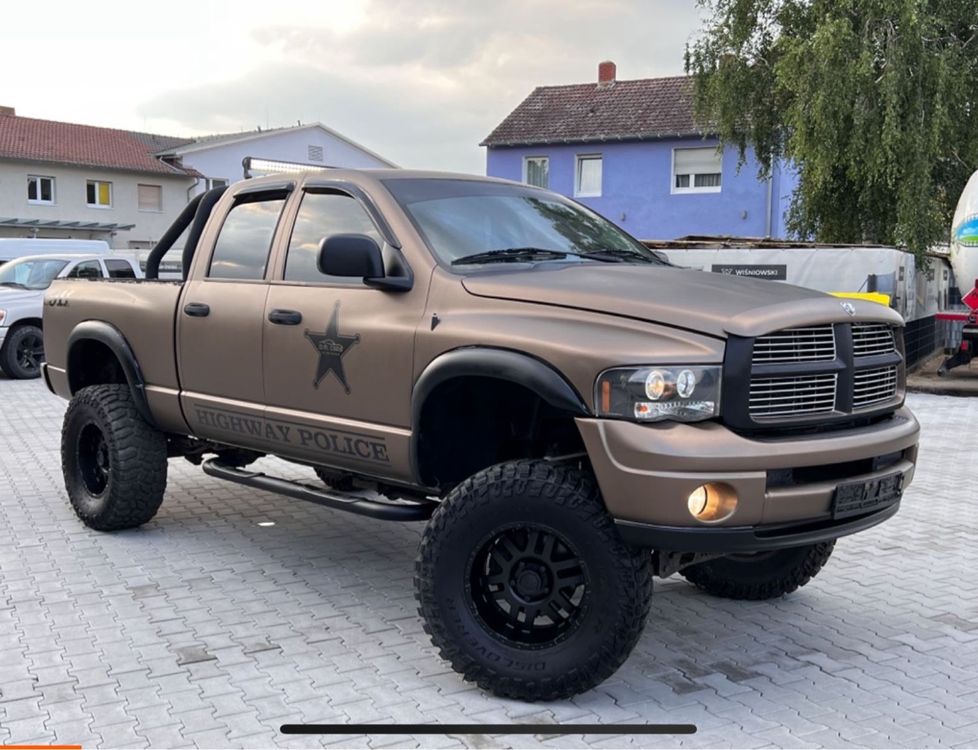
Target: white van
{"type": "Point", "coordinates": [12, 248]}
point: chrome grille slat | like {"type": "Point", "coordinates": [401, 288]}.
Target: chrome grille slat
{"type": "Point", "coordinates": [792, 395]}
{"type": "Point", "coordinates": [871, 387]}
{"type": "Point", "coordinates": [802, 344]}
{"type": "Point", "coordinates": [869, 339]}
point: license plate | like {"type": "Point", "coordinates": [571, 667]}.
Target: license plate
{"type": "Point", "coordinates": [856, 498]}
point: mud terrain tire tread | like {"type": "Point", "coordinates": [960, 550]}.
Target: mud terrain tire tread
{"type": "Point", "coordinates": [8, 353]}
{"type": "Point", "coordinates": [138, 460]}
{"type": "Point", "coordinates": [566, 490]}
{"type": "Point", "coordinates": [786, 571]}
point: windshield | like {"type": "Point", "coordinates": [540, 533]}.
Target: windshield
{"type": "Point", "coordinates": [470, 222]}
{"type": "Point", "coordinates": [30, 273]}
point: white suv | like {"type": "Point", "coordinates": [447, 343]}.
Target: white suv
{"type": "Point", "coordinates": [22, 285]}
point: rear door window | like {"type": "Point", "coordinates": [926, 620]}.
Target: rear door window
{"type": "Point", "coordinates": [87, 269]}
{"type": "Point", "coordinates": [119, 269]}
{"type": "Point", "coordinates": [245, 240]}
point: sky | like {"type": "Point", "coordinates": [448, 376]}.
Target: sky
{"type": "Point", "coordinates": [421, 82]}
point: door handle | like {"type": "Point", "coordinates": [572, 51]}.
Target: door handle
{"type": "Point", "coordinates": [285, 317]}
{"type": "Point", "coordinates": [197, 309]}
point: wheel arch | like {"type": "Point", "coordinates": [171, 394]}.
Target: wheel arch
{"type": "Point", "coordinates": [504, 366]}
{"type": "Point", "coordinates": [98, 353]}
{"type": "Point", "coordinates": [21, 322]}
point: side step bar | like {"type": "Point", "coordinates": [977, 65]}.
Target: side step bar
{"type": "Point", "coordinates": [329, 498]}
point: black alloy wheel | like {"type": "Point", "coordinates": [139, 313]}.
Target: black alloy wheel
{"type": "Point", "coordinates": [30, 353]}
{"type": "Point", "coordinates": [529, 586]}
{"type": "Point", "coordinates": [93, 459]}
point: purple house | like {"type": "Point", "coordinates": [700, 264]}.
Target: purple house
{"type": "Point", "coordinates": [632, 151]}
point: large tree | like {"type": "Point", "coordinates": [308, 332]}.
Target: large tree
{"type": "Point", "coordinates": [875, 102]}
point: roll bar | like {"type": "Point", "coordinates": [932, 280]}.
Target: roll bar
{"type": "Point", "coordinates": [194, 215]}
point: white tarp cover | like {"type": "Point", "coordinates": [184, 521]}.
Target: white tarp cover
{"type": "Point", "coordinates": [830, 269]}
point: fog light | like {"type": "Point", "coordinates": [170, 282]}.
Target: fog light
{"type": "Point", "coordinates": [712, 502]}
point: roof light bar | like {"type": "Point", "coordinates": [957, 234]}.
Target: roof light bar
{"type": "Point", "coordinates": [256, 167]}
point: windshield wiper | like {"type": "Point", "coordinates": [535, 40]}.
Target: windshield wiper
{"type": "Point", "coordinates": [15, 284]}
{"type": "Point", "coordinates": [618, 255]}
{"type": "Point", "coordinates": [510, 255]}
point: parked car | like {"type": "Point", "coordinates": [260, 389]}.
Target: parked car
{"type": "Point", "coordinates": [22, 285]}
{"type": "Point", "coordinates": [12, 248]}
{"type": "Point", "coordinates": [570, 412]}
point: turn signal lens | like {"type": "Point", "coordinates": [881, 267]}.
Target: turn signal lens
{"type": "Point", "coordinates": [712, 502]}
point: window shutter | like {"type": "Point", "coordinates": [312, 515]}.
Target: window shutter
{"type": "Point", "coordinates": [150, 197]}
{"type": "Point", "coordinates": [697, 160]}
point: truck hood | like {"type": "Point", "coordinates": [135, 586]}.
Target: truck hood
{"type": "Point", "coordinates": [11, 296]}
{"type": "Point", "coordinates": [710, 303]}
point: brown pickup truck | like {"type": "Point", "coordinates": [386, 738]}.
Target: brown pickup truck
{"type": "Point", "coordinates": [572, 413]}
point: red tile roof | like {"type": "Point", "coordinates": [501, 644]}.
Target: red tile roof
{"type": "Point", "coordinates": [588, 112]}
{"type": "Point", "coordinates": [83, 145]}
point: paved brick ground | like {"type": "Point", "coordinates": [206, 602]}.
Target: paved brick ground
{"type": "Point", "coordinates": [205, 628]}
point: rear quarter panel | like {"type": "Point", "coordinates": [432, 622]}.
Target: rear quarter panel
{"type": "Point", "coordinates": [144, 314]}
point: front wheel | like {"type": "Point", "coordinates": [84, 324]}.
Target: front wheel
{"type": "Point", "coordinates": [525, 584]}
{"type": "Point", "coordinates": [23, 352]}
{"type": "Point", "coordinates": [760, 575]}
{"type": "Point", "coordinates": [114, 463]}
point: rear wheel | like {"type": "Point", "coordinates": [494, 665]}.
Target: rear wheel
{"type": "Point", "coordinates": [23, 352]}
{"type": "Point", "coordinates": [525, 585]}
{"type": "Point", "coordinates": [760, 575]}
{"type": "Point", "coordinates": [114, 464]}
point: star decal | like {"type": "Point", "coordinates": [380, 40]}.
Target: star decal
{"type": "Point", "coordinates": [331, 345]}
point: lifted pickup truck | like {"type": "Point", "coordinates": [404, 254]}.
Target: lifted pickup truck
{"type": "Point", "coordinates": [573, 413]}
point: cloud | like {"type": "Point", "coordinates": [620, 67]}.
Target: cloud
{"type": "Point", "coordinates": [422, 82]}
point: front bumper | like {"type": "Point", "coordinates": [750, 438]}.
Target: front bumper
{"type": "Point", "coordinates": [784, 485]}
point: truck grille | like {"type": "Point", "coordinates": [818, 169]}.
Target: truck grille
{"type": "Point", "coordinates": [869, 339]}
{"type": "Point", "coordinates": [813, 376]}
{"type": "Point", "coordinates": [792, 396]}
{"type": "Point", "coordinates": [806, 344]}
{"type": "Point", "coordinates": [876, 386]}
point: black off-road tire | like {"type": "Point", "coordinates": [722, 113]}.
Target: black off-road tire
{"type": "Point", "coordinates": [22, 352]}
{"type": "Point", "coordinates": [766, 575]}
{"type": "Point", "coordinates": [495, 510]}
{"type": "Point", "coordinates": [114, 464]}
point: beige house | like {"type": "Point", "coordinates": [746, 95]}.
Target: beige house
{"type": "Point", "coordinates": [68, 181]}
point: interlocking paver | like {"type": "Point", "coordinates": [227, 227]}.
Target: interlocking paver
{"type": "Point", "coordinates": [204, 629]}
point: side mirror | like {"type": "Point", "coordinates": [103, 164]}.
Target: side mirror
{"type": "Point", "coordinates": [350, 255]}
{"type": "Point", "coordinates": [357, 255]}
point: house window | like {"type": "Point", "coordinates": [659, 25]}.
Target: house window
{"type": "Point", "coordinates": [536, 171]}
{"type": "Point", "coordinates": [587, 180]}
{"type": "Point", "coordinates": [40, 189]}
{"type": "Point", "coordinates": [150, 197]}
{"type": "Point", "coordinates": [215, 182]}
{"type": "Point", "coordinates": [315, 153]}
{"type": "Point", "coordinates": [99, 193]}
{"type": "Point", "coordinates": [696, 170]}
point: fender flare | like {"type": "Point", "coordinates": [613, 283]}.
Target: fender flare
{"type": "Point", "coordinates": [502, 364]}
{"type": "Point", "coordinates": [113, 338]}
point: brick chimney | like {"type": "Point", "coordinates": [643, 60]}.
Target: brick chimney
{"type": "Point", "coordinates": [606, 73]}
{"type": "Point", "coordinates": [8, 111]}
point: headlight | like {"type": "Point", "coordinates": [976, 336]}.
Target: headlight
{"type": "Point", "coordinates": [652, 394]}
